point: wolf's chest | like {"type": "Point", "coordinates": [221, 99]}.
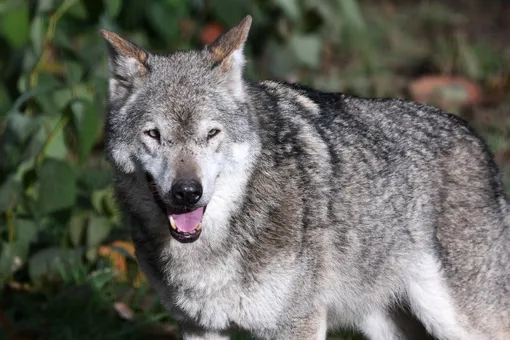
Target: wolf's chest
{"type": "Point", "coordinates": [219, 298]}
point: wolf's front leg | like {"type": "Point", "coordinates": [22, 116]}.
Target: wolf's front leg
{"type": "Point", "coordinates": [381, 326]}
{"type": "Point", "coordinates": [204, 336]}
{"type": "Point", "coordinates": [313, 326]}
{"type": "Point", "coordinates": [190, 332]}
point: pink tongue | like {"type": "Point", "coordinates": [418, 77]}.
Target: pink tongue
{"type": "Point", "coordinates": [189, 221]}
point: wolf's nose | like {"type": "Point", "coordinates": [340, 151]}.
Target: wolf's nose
{"type": "Point", "coordinates": [186, 192]}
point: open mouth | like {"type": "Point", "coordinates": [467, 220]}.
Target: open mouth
{"type": "Point", "coordinates": [185, 225]}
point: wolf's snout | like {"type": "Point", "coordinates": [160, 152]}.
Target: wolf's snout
{"type": "Point", "coordinates": [186, 192]}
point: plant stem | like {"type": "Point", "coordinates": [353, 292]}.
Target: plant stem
{"type": "Point", "coordinates": [60, 125]}
{"type": "Point", "coordinates": [50, 35]}
{"type": "Point", "coordinates": [9, 214]}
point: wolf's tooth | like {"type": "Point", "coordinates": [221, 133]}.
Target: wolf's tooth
{"type": "Point", "coordinates": [194, 231]}
{"type": "Point", "coordinates": [172, 223]}
{"type": "Point", "coordinates": [198, 226]}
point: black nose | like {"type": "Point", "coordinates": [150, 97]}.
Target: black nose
{"type": "Point", "coordinates": [186, 192]}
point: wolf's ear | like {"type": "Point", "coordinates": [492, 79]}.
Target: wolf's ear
{"type": "Point", "coordinates": [127, 62]}
{"type": "Point", "coordinates": [227, 50]}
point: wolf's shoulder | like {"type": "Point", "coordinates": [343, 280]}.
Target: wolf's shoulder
{"type": "Point", "coordinates": [349, 106]}
{"type": "Point", "coordinates": [326, 100]}
{"type": "Point", "coordinates": [301, 93]}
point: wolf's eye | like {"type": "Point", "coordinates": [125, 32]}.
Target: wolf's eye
{"type": "Point", "coordinates": [212, 133]}
{"type": "Point", "coordinates": [153, 133]}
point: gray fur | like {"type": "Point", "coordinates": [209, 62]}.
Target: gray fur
{"type": "Point", "coordinates": [323, 209]}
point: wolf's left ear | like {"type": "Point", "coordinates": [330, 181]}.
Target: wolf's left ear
{"type": "Point", "coordinates": [227, 50]}
{"type": "Point", "coordinates": [127, 62]}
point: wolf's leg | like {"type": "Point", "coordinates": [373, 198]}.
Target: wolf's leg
{"type": "Point", "coordinates": [379, 325]}
{"type": "Point", "coordinates": [190, 332]}
{"type": "Point", "coordinates": [432, 303]}
{"type": "Point", "coordinates": [204, 336]}
{"type": "Point", "coordinates": [396, 323]}
{"type": "Point", "coordinates": [313, 326]}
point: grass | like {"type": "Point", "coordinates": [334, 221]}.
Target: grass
{"type": "Point", "coordinates": [78, 311]}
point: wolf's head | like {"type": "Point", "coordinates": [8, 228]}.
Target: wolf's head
{"type": "Point", "coordinates": [179, 122]}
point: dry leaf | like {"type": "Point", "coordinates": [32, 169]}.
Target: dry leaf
{"type": "Point", "coordinates": [14, 285]}
{"type": "Point", "coordinates": [118, 259]}
{"type": "Point", "coordinates": [210, 33]}
{"type": "Point", "coordinates": [445, 91]}
{"type": "Point", "coordinates": [497, 89]}
{"type": "Point", "coordinates": [124, 311]}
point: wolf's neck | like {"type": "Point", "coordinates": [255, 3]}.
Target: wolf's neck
{"type": "Point", "coordinates": [230, 188]}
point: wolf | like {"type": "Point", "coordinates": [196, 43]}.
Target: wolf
{"type": "Point", "coordinates": [286, 212]}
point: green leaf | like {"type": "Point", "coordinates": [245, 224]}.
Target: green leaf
{"type": "Point", "coordinates": [19, 127]}
{"type": "Point", "coordinates": [62, 38]}
{"type": "Point", "coordinates": [307, 49]}
{"type": "Point", "coordinates": [111, 204]}
{"type": "Point", "coordinates": [98, 229]}
{"type": "Point", "coordinates": [37, 34]}
{"type": "Point", "coordinates": [230, 12]}
{"type": "Point", "coordinates": [48, 5]}
{"type": "Point", "coordinates": [46, 99]}
{"type": "Point", "coordinates": [113, 7]}
{"type": "Point", "coordinates": [98, 200]}
{"type": "Point", "coordinates": [167, 27]}
{"type": "Point", "coordinates": [61, 98]}
{"type": "Point", "coordinates": [40, 90]}
{"type": "Point", "coordinates": [74, 72]}
{"type": "Point", "coordinates": [77, 226]}
{"type": "Point", "coordinates": [282, 59]}
{"type": "Point", "coordinates": [22, 83]}
{"type": "Point", "coordinates": [91, 254]}
{"type": "Point", "coordinates": [290, 8]}
{"type": "Point", "coordinates": [352, 15]}
{"type": "Point", "coordinates": [25, 231]}
{"type": "Point", "coordinates": [46, 104]}
{"type": "Point", "coordinates": [10, 193]}
{"type": "Point", "coordinates": [82, 91]}
{"type": "Point", "coordinates": [78, 10]}
{"type": "Point", "coordinates": [24, 167]}
{"type": "Point", "coordinates": [95, 179]}
{"type": "Point", "coordinates": [57, 189]}
{"type": "Point", "coordinates": [468, 59]}
{"type": "Point", "coordinates": [86, 123]}
{"type": "Point", "coordinates": [102, 278]}
{"type": "Point", "coordinates": [12, 257]}
{"type": "Point", "coordinates": [103, 202]}
{"type": "Point", "coordinates": [57, 147]}
{"type": "Point", "coordinates": [50, 262]}
{"type": "Point", "coordinates": [5, 100]}
{"type": "Point", "coordinates": [36, 143]}
{"type": "Point", "coordinates": [16, 26]}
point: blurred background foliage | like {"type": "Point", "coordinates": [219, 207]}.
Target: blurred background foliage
{"type": "Point", "coordinates": [66, 265]}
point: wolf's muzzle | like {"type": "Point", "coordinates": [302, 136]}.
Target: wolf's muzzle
{"type": "Point", "coordinates": [184, 217]}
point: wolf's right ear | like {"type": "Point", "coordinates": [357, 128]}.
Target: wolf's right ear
{"type": "Point", "coordinates": [227, 50]}
{"type": "Point", "coordinates": [227, 53]}
{"type": "Point", "coordinates": [127, 62]}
